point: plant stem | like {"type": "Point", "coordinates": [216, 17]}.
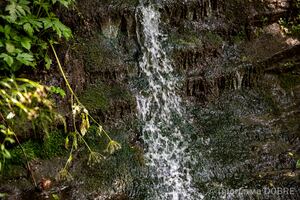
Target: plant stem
{"type": "Point", "coordinates": [64, 76]}
{"type": "Point", "coordinates": [71, 90]}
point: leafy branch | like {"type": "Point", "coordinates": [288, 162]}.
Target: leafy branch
{"type": "Point", "coordinates": [23, 37]}
{"type": "Point", "coordinates": [25, 29]}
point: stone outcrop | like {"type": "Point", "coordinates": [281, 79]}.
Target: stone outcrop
{"type": "Point", "coordinates": [241, 84]}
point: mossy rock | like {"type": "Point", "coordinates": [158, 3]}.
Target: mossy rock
{"type": "Point", "coordinates": [102, 96]}
{"type": "Point", "coordinates": [98, 52]}
{"type": "Point", "coordinates": [53, 145]}
{"type": "Point", "coordinates": [187, 39]}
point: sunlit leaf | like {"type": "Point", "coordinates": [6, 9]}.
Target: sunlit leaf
{"type": "Point", "coordinates": [298, 164]}
{"type": "Point", "coordinates": [26, 59]}
{"type": "Point", "coordinates": [48, 61]}
{"type": "Point", "coordinates": [26, 43]}
{"type": "Point", "coordinates": [7, 31]}
{"type": "Point", "coordinates": [10, 48]}
{"type": "Point", "coordinates": [55, 197]}
{"type": "Point", "coordinates": [112, 147]}
{"type": "Point", "coordinates": [75, 142]}
{"type": "Point", "coordinates": [28, 28]}
{"type": "Point", "coordinates": [67, 143]}
{"type": "Point", "coordinates": [6, 153]}
{"type": "Point", "coordinates": [8, 59]}
{"type": "Point", "coordinates": [47, 22]}
{"type": "Point", "coordinates": [12, 10]}
{"type": "Point", "coordinates": [58, 90]}
{"type": "Point", "coordinates": [10, 140]}
{"type": "Point", "coordinates": [10, 115]}
{"type": "Point", "coordinates": [69, 160]}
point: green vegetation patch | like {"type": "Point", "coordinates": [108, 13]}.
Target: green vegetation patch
{"type": "Point", "coordinates": [52, 146]}
{"type": "Point", "coordinates": [188, 38]}
{"type": "Point", "coordinates": [100, 95]}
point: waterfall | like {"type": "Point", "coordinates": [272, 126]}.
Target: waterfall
{"type": "Point", "coordinates": [162, 116]}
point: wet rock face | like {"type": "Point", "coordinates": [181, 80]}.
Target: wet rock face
{"type": "Point", "coordinates": [105, 55]}
{"type": "Point", "coordinates": [240, 81]}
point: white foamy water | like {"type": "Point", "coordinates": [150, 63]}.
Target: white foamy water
{"type": "Point", "coordinates": [161, 113]}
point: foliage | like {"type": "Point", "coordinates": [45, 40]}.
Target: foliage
{"type": "Point", "coordinates": [298, 164]}
{"type": "Point", "coordinates": [58, 91]}
{"type": "Point", "coordinates": [291, 24]}
{"type": "Point", "coordinates": [24, 31]}
{"type": "Point", "coordinates": [5, 154]}
{"type": "Point", "coordinates": [25, 28]}
{"type": "Point", "coordinates": [29, 29]}
{"type": "Point", "coordinates": [21, 99]}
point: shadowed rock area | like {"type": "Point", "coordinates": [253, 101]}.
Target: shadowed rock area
{"type": "Point", "coordinates": [239, 79]}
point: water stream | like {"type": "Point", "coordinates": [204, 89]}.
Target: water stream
{"type": "Point", "coordinates": [160, 109]}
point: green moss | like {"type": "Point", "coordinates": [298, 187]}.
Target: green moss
{"type": "Point", "coordinates": [213, 38]}
{"type": "Point", "coordinates": [124, 165]}
{"type": "Point", "coordinates": [185, 39]}
{"type": "Point", "coordinates": [54, 145]}
{"type": "Point", "coordinates": [97, 143]}
{"type": "Point", "coordinates": [99, 53]}
{"type": "Point", "coordinates": [100, 95]}
{"type": "Point", "coordinates": [240, 37]}
{"type": "Point", "coordinates": [32, 149]}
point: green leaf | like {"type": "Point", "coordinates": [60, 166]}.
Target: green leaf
{"type": "Point", "coordinates": [75, 142]}
{"type": "Point", "coordinates": [55, 197]}
{"type": "Point", "coordinates": [8, 59]}
{"type": "Point", "coordinates": [2, 195]}
{"type": "Point", "coordinates": [12, 10]}
{"type": "Point", "coordinates": [26, 43]}
{"type": "Point", "coordinates": [67, 142]}
{"type": "Point", "coordinates": [16, 38]}
{"type": "Point", "coordinates": [10, 48]}
{"type": "Point", "coordinates": [7, 30]}
{"type": "Point", "coordinates": [42, 44]}
{"type": "Point", "coordinates": [6, 153]}
{"type": "Point", "coordinates": [10, 140]}
{"type": "Point", "coordinates": [27, 27]}
{"type": "Point", "coordinates": [1, 44]}
{"type": "Point", "coordinates": [61, 29]}
{"type": "Point", "coordinates": [65, 3]}
{"type": "Point", "coordinates": [33, 20]}
{"type": "Point", "coordinates": [298, 164]}
{"type": "Point", "coordinates": [58, 90]}
{"type": "Point", "coordinates": [48, 61]}
{"type": "Point", "coordinates": [16, 10]}
{"type": "Point", "coordinates": [26, 59]}
{"type": "Point", "coordinates": [47, 23]}
{"type": "Point", "coordinates": [24, 4]}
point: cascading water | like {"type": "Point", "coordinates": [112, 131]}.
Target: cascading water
{"type": "Point", "coordinates": [160, 111]}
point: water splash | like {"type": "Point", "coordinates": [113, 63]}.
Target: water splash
{"type": "Point", "coordinates": [161, 113]}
